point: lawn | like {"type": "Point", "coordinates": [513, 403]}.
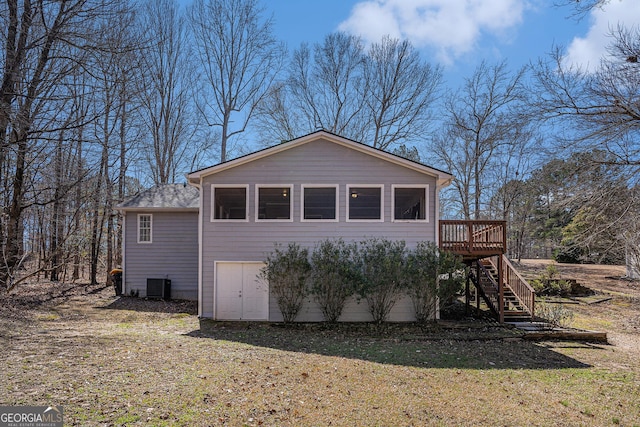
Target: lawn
{"type": "Point", "coordinates": [127, 361]}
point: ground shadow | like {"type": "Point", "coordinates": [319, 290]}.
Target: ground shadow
{"type": "Point", "coordinates": [152, 305]}
{"type": "Point", "coordinates": [48, 294]}
{"type": "Point", "coordinates": [450, 346]}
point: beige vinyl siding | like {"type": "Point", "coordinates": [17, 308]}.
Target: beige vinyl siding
{"type": "Point", "coordinates": [172, 254]}
{"type": "Point", "coordinates": [314, 163]}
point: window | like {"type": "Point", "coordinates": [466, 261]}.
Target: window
{"type": "Point", "coordinates": [145, 222]}
{"type": "Point", "coordinates": [274, 202]}
{"type": "Point", "coordinates": [229, 203]}
{"type": "Point", "coordinates": [320, 203]}
{"type": "Point", "coordinates": [364, 203]}
{"type": "Point", "coordinates": [410, 203]}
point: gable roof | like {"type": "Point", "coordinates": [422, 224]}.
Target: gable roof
{"type": "Point", "coordinates": [443, 178]}
{"type": "Point", "coordinates": [164, 197]}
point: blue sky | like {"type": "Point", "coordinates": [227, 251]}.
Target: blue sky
{"type": "Point", "coordinates": [458, 34]}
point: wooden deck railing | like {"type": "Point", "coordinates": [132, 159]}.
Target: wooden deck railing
{"type": "Point", "coordinates": [473, 238]}
{"type": "Point", "coordinates": [514, 281]}
{"type": "Point", "coordinates": [523, 290]}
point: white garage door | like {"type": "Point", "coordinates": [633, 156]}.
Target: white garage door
{"type": "Point", "coordinates": [240, 295]}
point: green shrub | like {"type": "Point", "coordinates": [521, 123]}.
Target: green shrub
{"type": "Point", "coordinates": [431, 276]}
{"type": "Point", "coordinates": [333, 276]}
{"type": "Point", "coordinates": [451, 277]}
{"type": "Point", "coordinates": [287, 271]}
{"type": "Point", "coordinates": [568, 255]}
{"type": "Point", "coordinates": [421, 280]}
{"type": "Point", "coordinates": [382, 264]}
{"type": "Point", "coordinates": [549, 283]}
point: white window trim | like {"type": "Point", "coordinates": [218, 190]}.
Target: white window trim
{"type": "Point", "coordinates": [348, 195]}
{"type": "Point", "coordinates": [257, 200]}
{"type": "Point", "coordinates": [213, 201]}
{"type": "Point", "coordinates": [426, 202]}
{"type": "Point", "coordinates": [337, 188]}
{"type": "Point", "coordinates": [150, 229]}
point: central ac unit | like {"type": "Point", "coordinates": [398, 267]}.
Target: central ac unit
{"type": "Point", "coordinates": [159, 288]}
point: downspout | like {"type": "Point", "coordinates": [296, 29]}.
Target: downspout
{"type": "Point", "coordinates": [440, 184]}
{"type": "Point", "coordinates": [437, 234]}
{"type": "Point", "coordinates": [501, 287]}
{"type": "Point", "coordinates": [200, 227]}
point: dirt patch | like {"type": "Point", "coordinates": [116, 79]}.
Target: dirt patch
{"type": "Point", "coordinates": [27, 298]}
{"type": "Point", "coordinates": [615, 307]}
{"type": "Point", "coordinates": [603, 278]}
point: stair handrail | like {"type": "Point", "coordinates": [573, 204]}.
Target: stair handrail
{"type": "Point", "coordinates": [520, 287]}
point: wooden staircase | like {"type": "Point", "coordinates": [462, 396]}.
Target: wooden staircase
{"type": "Point", "coordinates": [516, 306]}
{"type": "Point", "coordinates": [482, 245]}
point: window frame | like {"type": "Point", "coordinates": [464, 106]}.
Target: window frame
{"type": "Point", "coordinates": [348, 198]}
{"type": "Point", "coordinates": [213, 203]}
{"type": "Point", "coordinates": [257, 204]}
{"type": "Point", "coordinates": [303, 187]}
{"type": "Point", "coordinates": [139, 229]}
{"type": "Point", "coordinates": [425, 187]}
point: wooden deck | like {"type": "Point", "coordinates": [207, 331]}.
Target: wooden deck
{"type": "Point", "coordinates": [482, 245]}
{"type": "Point", "coordinates": [473, 239]}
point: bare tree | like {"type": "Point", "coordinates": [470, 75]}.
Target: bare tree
{"type": "Point", "coordinates": [165, 89]}
{"type": "Point", "coordinates": [113, 90]}
{"type": "Point", "coordinates": [400, 92]}
{"type": "Point", "coordinates": [276, 120]}
{"type": "Point", "coordinates": [603, 107]}
{"type": "Point", "coordinates": [327, 86]}
{"type": "Point", "coordinates": [240, 59]}
{"type": "Point", "coordinates": [43, 43]}
{"type": "Point", "coordinates": [582, 7]}
{"type": "Point", "coordinates": [630, 237]}
{"type": "Point", "coordinates": [598, 111]}
{"type": "Point", "coordinates": [323, 89]}
{"type": "Point", "coordinates": [381, 97]}
{"type": "Point", "coordinates": [483, 120]}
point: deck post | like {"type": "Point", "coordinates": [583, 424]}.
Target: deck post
{"type": "Point", "coordinates": [477, 292]}
{"type": "Point", "coordinates": [467, 295]}
{"type": "Point", "coordinates": [501, 287]}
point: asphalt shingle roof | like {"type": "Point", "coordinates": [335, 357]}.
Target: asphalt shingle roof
{"type": "Point", "coordinates": [165, 196]}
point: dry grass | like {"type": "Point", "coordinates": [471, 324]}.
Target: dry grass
{"type": "Point", "coordinates": [132, 362]}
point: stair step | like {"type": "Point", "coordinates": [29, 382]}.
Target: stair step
{"type": "Point", "coordinates": [486, 280]}
{"type": "Point", "coordinates": [516, 312]}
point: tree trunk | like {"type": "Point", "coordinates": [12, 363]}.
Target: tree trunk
{"type": "Point", "coordinates": [97, 224]}
{"type": "Point", "coordinates": [56, 222]}
{"type": "Point", "coordinates": [78, 205]}
{"type": "Point", "coordinates": [14, 249]}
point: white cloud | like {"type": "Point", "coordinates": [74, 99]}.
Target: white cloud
{"type": "Point", "coordinates": [587, 51]}
{"type": "Point", "coordinates": [451, 28]}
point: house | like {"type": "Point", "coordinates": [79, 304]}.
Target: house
{"type": "Point", "coordinates": [160, 240]}
{"type": "Point", "coordinates": [305, 190]}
